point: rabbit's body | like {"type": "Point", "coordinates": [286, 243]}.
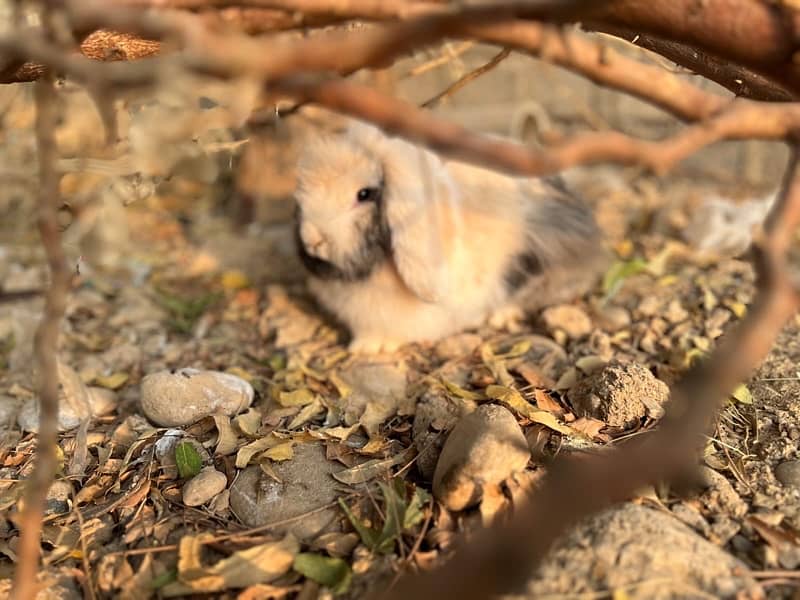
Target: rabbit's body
{"type": "Point", "coordinates": [434, 246]}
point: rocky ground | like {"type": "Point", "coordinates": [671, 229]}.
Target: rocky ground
{"type": "Point", "coordinates": [218, 438]}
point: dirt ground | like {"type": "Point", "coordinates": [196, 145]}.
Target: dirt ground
{"type": "Point", "coordinates": [325, 484]}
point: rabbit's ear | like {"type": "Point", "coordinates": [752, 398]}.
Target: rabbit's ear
{"type": "Point", "coordinates": [421, 211]}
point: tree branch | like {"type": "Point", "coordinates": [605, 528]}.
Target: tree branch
{"type": "Point", "coordinates": [46, 344]}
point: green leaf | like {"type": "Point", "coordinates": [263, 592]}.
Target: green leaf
{"type": "Point", "coordinates": [188, 460]}
{"type": "Point", "coordinates": [394, 508]}
{"type": "Point", "coordinates": [333, 573]}
{"type": "Point", "coordinates": [163, 579]}
{"type": "Point", "coordinates": [619, 272]}
{"type": "Point", "coordinates": [742, 394]}
{"type": "Point", "coordinates": [368, 535]}
{"type": "Point", "coordinates": [414, 513]}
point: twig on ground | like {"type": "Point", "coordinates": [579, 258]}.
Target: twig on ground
{"type": "Point", "coordinates": [46, 343]}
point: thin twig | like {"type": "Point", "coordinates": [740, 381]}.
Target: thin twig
{"type": "Point", "coordinates": [46, 343]}
{"type": "Point", "coordinates": [467, 78]}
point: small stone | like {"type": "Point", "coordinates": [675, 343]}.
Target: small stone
{"type": "Point", "coordinates": [76, 403]}
{"type": "Point", "coordinates": [719, 495]}
{"type": "Point", "coordinates": [620, 395]}
{"type": "Point", "coordinates": [788, 473]}
{"type": "Point", "coordinates": [614, 318]}
{"type": "Point", "coordinates": [58, 497]}
{"type": "Point", "coordinates": [184, 396]}
{"type": "Point", "coordinates": [304, 485]}
{"type": "Point", "coordinates": [484, 448]}
{"type": "Point", "coordinates": [435, 416]}
{"type": "Point", "coordinates": [569, 319]}
{"type": "Point", "coordinates": [204, 486]}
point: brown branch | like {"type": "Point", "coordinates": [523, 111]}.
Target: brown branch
{"type": "Point", "coordinates": [742, 81]}
{"type": "Point", "coordinates": [744, 119]}
{"type": "Point", "coordinates": [46, 344]}
{"type": "Point", "coordinates": [500, 559]}
{"type": "Point", "coordinates": [467, 78]}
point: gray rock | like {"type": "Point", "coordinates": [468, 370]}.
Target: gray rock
{"type": "Point", "coordinates": [620, 394]}
{"type": "Point", "coordinates": [435, 416]}
{"type": "Point", "coordinates": [184, 396]}
{"type": "Point", "coordinates": [788, 473]}
{"type": "Point", "coordinates": [305, 485]}
{"type": "Point", "coordinates": [76, 402]}
{"type": "Point", "coordinates": [719, 495]}
{"type": "Point", "coordinates": [58, 497]}
{"type": "Point", "coordinates": [647, 552]}
{"type": "Point", "coordinates": [204, 486]}
{"type": "Point", "coordinates": [484, 448]}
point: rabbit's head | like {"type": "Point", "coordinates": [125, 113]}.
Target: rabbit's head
{"type": "Point", "coordinates": [341, 230]}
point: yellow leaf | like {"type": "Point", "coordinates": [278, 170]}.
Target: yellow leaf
{"type": "Point", "coordinates": [299, 397]}
{"type": "Point", "coordinates": [460, 392]}
{"type": "Point", "coordinates": [113, 381]}
{"type": "Point", "coordinates": [234, 280]}
{"type": "Point", "coordinates": [250, 450]}
{"type": "Point", "coordinates": [514, 400]}
{"type": "Point", "coordinates": [241, 373]}
{"type": "Point", "coordinates": [742, 394]}
{"type": "Point", "coordinates": [284, 451]}
{"type": "Point", "coordinates": [737, 308]}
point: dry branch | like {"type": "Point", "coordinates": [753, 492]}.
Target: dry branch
{"type": "Point", "coordinates": [502, 558]}
{"type": "Point", "coordinates": [46, 343]}
{"type": "Point", "coordinates": [743, 119]}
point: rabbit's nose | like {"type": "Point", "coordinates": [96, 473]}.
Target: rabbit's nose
{"type": "Point", "coordinates": [312, 238]}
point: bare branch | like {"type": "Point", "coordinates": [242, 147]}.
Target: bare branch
{"type": "Point", "coordinates": [744, 119]}
{"type": "Point", "coordinates": [467, 78]}
{"type": "Point", "coordinates": [46, 344]}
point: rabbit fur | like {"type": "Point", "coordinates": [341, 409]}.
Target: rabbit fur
{"type": "Point", "coordinates": [432, 246]}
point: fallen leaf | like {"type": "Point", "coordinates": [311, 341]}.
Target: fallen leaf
{"type": "Point", "coordinates": [188, 460]}
{"type": "Point", "coordinates": [514, 400]}
{"type": "Point", "coordinates": [259, 564]}
{"type": "Point", "coordinates": [113, 381]}
{"type": "Point", "coordinates": [588, 426]}
{"type": "Point", "coordinates": [226, 436]}
{"type": "Point", "coordinates": [460, 392]}
{"type": "Point", "coordinates": [299, 397]}
{"type": "Point", "coordinates": [619, 272]}
{"type": "Point", "coordinates": [545, 402]}
{"type": "Point", "coordinates": [246, 453]}
{"type": "Point", "coordinates": [742, 394]}
{"type": "Point", "coordinates": [249, 423]}
{"type": "Point", "coordinates": [372, 468]}
{"type": "Point", "coordinates": [307, 413]}
{"type": "Point", "coordinates": [284, 451]}
{"type": "Point", "coordinates": [234, 280]}
{"type": "Point", "coordinates": [333, 573]}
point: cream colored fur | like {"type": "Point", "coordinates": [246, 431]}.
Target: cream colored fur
{"type": "Point", "coordinates": [454, 228]}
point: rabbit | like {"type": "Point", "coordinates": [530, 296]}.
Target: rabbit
{"type": "Point", "coordinates": [405, 246]}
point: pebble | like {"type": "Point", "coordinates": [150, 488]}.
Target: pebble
{"type": "Point", "coordinates": [76, 403]}
{"type": "Point", "coordinates": [569, 319]}
{"type": "Point", "coordinates": [620, 394]}
{"type": "Point", "coordinates": [484, 448]}
{"type": "Point", "coordinates": [204, 486]}
{"type": "Point", "coordinates": [58, 497]}
{"type": "Point", "coordinates": [184, 396]}
{"type": "Point", "coordinates": [304, 484]}
{"type": "Point", "coordinates": [788, 473]}
{"type": "Point", "coordinates": [378, 393]}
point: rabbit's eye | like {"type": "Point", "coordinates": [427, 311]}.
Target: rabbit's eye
{"type": "Point", "coordinates": [367, 194]}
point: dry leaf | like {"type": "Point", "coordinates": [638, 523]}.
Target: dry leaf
{"type": "Point", "coordinates": [299, 397]}
{"type": "Point", "coordinates": [588, 426]}
{"type": "Point", "coordinates": [111, 382]}
{"type": "Point", "coordinates": [246, 453]}
{"type": "Point", "coordinates": [372, 468]}
{"type": "Point", "coordinates": [514, 400]}
{"type": "Point", "coordinates": [249, 423]}
{"type": "Point", "coordinates": [259, 564]}
{"type": "Point", "coordinates": [226, 436]}
{"type": "Point", "coordinates": [280, 452]}
{"type": "Point", "coordinates": [546, 402]}
{"type": "Point", "coordinates": [307, 413]}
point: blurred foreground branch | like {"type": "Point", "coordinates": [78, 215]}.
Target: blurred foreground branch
{"type": "Point", "coordinates": [46, 344]}
{"type": "Point", "coordinates": [501, 558]}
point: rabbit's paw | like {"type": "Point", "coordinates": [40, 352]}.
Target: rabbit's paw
{"type": "Point", "coordinates": [508, 318]}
